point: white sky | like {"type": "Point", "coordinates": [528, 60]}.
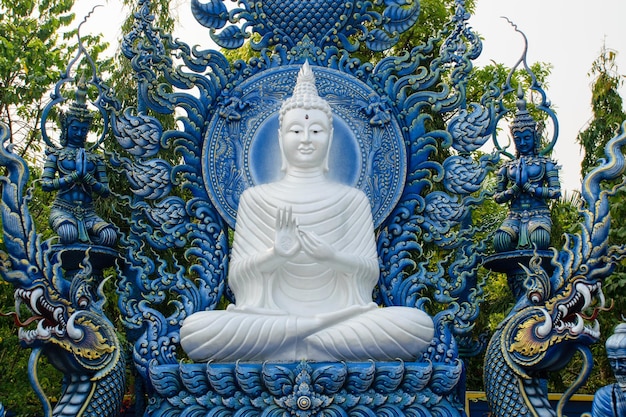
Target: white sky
{"type": "Point", "coordinates": [569, 34]}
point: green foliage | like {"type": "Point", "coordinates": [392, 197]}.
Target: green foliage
{"type": "Point", "coordinates": [565, 217]}
{"type": "Point", "coordinates": [162, 10]}
{"type": "Point", "coordinates": [607, 107]}
{"type": "Point", "coordinates": [497, 303]}
{"type": "Point", "coordinates": [615, 285]}
{"type": "Point", "coordinates": [36, 44]}
{"type": "Point", "coordinates": [30, 50]}
{"type": "Point", "coordinates": [608, 114]}
{"type": "Point", "coordinates": [483, 79]}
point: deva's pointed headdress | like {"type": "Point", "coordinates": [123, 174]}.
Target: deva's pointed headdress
{"type": "Point", "coordinates": [77, 110]}
{"type": "Point", "coordinates": [523, 119]}
{"type": "Point", "coordinates": [305, 95]}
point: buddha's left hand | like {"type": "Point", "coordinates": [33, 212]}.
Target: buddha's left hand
{"type": "Point", "coordinates": [316, 247]}
{"type": "Point", "coordinates": [324, 253]}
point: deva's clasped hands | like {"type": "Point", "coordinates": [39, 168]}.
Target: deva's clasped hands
{"type": "Point", "coordinates": [81, 173]}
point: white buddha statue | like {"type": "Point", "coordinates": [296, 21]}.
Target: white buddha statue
{"type": "Point", "coordinates": [304, 263]}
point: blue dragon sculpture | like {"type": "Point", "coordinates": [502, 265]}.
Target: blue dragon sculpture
{"type": "Point", "coordinates": [60, 285]}
{"type": "Point", "coordinates": [559, 293]}
{"type": "Point", "coordinates": [555, 316]}
{"type": "Point", "coordinates": [71, 328]}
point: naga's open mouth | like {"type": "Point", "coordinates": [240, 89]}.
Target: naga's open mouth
{"type": "Point", "coordinates": [50, 319]}
{"type": "Point", "coordinates": [583, 306]}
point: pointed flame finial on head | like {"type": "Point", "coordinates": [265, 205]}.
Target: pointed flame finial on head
{"type": "Point", "coordinates": [305, 88]}
{"type": "Point", "coordinates": [78, 108]}
{"type": "Point", "coordinates": [305, 95]}
{"type": "Point", "coordinates": [77, 111]}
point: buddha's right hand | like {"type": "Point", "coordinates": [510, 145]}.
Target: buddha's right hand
{"type": "Point", "coordinates": [286, 243]}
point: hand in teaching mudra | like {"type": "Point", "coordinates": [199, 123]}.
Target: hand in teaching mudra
{"type": "Point", "coordinates": [290, 239]}
{"type": "Point", "coordinates": [286, 243]}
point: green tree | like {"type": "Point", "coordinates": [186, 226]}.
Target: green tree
{"type": "Point", "coordinates": [607, 107]}
{"type": "Point", "coordinates": [37, 42]}
{"type": "Point", "coordinates": [608, 114]}
{"type": "Point", "coordinates": [122, 76]}
{"type": "Point", "coordinates": [434, 14]}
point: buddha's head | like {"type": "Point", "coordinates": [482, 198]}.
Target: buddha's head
{"type": "Point", "coordinates": [306, 126]}
{"type": "Point", "coordinates": [524, 129]}
{"type": "Point", "coordinates": [76, 121]}
{"type": "Point", "coordinates": [616, 352]}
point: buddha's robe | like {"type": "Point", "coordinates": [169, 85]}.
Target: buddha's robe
{"type": "Point", "coordinates": [305, 309]}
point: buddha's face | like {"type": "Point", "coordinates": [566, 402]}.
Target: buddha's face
{"type": "Point", "coordinates": [525, 142]}
{"type": "Point", "coordinates": [77, 132]}
{"type": "Point", "coordinates": [305, 138]}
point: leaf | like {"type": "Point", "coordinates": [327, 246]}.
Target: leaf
{"type": "Point", "coordinates": [400, 19]}
{"type": "Point", "coordinates": [212, 15]}
{"type": "Point", "coordinates": [379, 40]}
{"type": "Point", "coordinates": [230, 38]}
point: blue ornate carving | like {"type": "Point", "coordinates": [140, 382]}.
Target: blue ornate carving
{"type": "Point", "coordinates": [323, 23]}
{"type": "Point", "coordinates": [184, 185]}
{"type": "Point", "coordinates": [62, 284]}
{"type": "Point", "coordinates": [307, 389]}
{"type": "Point", "coordinates": [63, 290]}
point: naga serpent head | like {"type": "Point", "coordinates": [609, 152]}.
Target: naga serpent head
{"type": "Point", "coordinates": [547, 326]}
{"type": "Point", "coordinates": [66, 315]}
